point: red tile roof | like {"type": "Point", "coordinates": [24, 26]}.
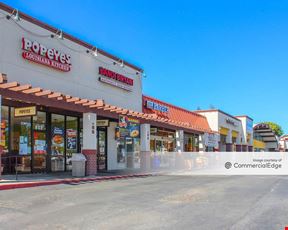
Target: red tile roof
{"type": "Point", "coordinates": [188, 118]}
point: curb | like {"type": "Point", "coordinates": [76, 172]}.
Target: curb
{"type": "Point", "coordinates": [30, 184]}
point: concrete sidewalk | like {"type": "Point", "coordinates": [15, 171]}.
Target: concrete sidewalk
{"type": "Point", "coordinates": [33, 180]}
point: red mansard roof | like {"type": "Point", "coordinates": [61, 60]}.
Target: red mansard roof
{"type": "Point", "coordinates": [191, 119]}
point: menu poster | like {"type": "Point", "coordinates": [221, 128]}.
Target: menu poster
{"type": "Point", "coordinates": [71, 139]}
{"type": "Point", "coordinates": [128, 127]}
{"type": "Point", "coordinates": [40, 147]}
{"type": "Point", "coordinates": [58, 137]}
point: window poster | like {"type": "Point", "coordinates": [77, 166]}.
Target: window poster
{"type": "Point", "coordinates": [128, 127]}
{"type": "Point", "coordinates": [57, 140]}
{"type": "Point", "coordinates": [23, 145]}
{"type": "Point", "coordinates": [71, 139]}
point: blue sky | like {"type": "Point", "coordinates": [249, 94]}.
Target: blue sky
{"type": "Point", "coordinates": [229, 54]}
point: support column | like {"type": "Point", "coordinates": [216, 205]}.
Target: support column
{"type": "Point", "coordinates": [238, 143]}
{"type": "Point", "coordinates": [229, 141]}
{"type": "Point", "coordinates": [145, 160]}
{"type": "Point", "coordinates": [1, 147]}
{"type": "Point", "coordinates": [250, 144]}
{"type": "Point", "coordinates": [244, 148]}
{"type": "Point", "coordinates": [217, 146]}
{"type": "Point", "coordinates": [90, 142]}
{"type": "Point", "coordinates": [179, 141]}
{"type": "Point", "coordinates": [202, 143]}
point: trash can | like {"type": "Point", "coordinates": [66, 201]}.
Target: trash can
{"type": "Point", "coordinates": [78, 164]}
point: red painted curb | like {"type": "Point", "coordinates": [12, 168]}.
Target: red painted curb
{"type": "Point", "coordinates": [67, 181]}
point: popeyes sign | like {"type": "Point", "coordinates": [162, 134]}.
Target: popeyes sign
{"type": "Point", "coordinates": [38, 53]}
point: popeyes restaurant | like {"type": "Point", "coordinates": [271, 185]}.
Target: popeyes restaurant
{"type": "Point", "coordinates": [61, 95]}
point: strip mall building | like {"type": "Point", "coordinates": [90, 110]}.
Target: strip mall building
{"type": "Point", "coordinates": [60, 95]}
{"type": "Point", "coordinates": [235, 133]}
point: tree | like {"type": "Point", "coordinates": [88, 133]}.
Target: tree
{"type": "Point", "coordinates": [277, 129]}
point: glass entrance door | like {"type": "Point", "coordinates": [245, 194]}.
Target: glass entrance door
{"type": "Point", "coordinates": [21, 142]}
{"type": "Point", "coordinates": [102, 148]}
{"type": "Point", "coordinates": [39, 142]}
{"type": "Point", "coordinates": [57, 143]}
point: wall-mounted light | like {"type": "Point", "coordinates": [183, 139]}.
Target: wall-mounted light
{"type": "Point", "coordinates": [122, 64]}
{"type": "Point", "coordinates": [60, 36]}
{"type": "Point", "coordinates": [17, 17]}
{"type": "Point", "coordinates": [95, 52]}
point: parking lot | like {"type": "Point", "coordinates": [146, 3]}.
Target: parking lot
{"type": "Point", "coordinates": [158, 202]}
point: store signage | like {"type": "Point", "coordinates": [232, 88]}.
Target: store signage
{"type": "Point", "coordinates": [115, 79]}
{"type": "Point", "coordinates": [102, 123]}
{"type": "Point", "coordinates": [211, 140]}
{"type": "Point", "coordinates": [38, 53]}
{"type": "Point", "coordinates": [230, 122]}
{"type": "Point", "coordinates": [128, 127]}
{"type": "Point", "coordinates": [155, 106]}
{"type": "Point", "coordinates": [153, 130]}
{"type": "Point", "coordinates": [25, 111]}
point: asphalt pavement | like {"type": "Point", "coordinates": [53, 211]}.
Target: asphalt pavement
{"type": "Point", "coordinates": [157, 202]}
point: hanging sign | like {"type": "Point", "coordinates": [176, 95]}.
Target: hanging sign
{"type": "Point", "coordinates": [25, 111]}
{"type": "Point", "coordinates": [38, 53]}
{"type": "Point", "coordinates": [102, 123]}
{"type": "Point", "coordinates": [153, 130]}
{"type": "Point", "coordinates": [211, 140]}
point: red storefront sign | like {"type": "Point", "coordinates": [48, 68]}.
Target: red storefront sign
{"type": "Point", "coordinates": [115, 76]}
{"type": "Point", "coordinates": [38, 53]}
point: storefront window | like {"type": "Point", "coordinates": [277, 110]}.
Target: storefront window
{"type": "Point", "coordinates": [102, 148]}
{"type": "Point", "coordinates": [136, 152]}
{"type": "Point", "coordinates": [128, 151]}
{"type": "Point", "coordinates": [71, 139]}
{"type": "Point", "coordinates": [188, 143]}
{"type": "Point", "coordinates": [196, 143]}
{"type": "Point", "coordinates": [191, 142]}
{"type": "Point", "coordinates": [39, 140]}
{"type": "Point", "coordinates": [58, 144]}
{"type": "Point", "coordinates": [21, 141]}
{"type": "Point", "coordinates": [121, 152]}
{"type": "Point", "coordinates": [4, 128]}
{"type": "Point", "coordinates": [222, 143]}
{"type": "Point", "coordinates": [162, 140]}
